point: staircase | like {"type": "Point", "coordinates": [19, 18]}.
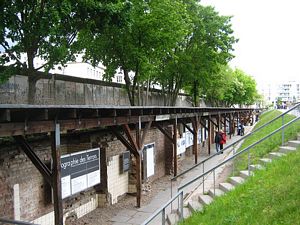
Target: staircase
{"type": "Point", "coordinates": [197, 202]}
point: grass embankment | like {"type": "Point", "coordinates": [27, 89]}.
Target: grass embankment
{"type": "Point", "coordinates": [272, 196]}
{"type": "Point", "coordinates": [271, 143]}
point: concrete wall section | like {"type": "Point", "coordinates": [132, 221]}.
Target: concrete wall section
{"type": "Point", "coordinates": [66, 90]}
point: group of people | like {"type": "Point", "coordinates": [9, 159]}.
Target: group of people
{"type": "Point", "coordinates": [220, 140]}
{"type": "Point", "coordinates": [220, 137]}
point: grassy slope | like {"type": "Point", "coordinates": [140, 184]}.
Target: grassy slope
{"type": "Point", "coordinates": [271, 143]}
{"type": "Point", "coordinates": [271, 197]}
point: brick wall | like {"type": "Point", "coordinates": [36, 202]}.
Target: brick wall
{"type": "Point", "coordinates": [35, 193]}
{"type": "Point", "coordinates": [16, 168]}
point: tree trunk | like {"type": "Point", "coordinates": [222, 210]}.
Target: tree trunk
{"type": "Point", "coordinates": [32, 77]}
{"type": "Point", "coordinates": [147, 92]}
{"type": "Point", "coordinates": [32, 89]}
{"type": "Point", "coordinates": [127, 85]}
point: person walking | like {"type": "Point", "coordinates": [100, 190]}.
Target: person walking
{"type": "Point", "coordinates": [218, 138]}
{"type": "Point", "coordinates": [242, 130]}
{"type": "Point", "coordinates": [223, 139]}
{"type": "Point", "coordinates": [239, 127]}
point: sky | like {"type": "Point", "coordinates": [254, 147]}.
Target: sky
{"type": "Point", "coordinates": [269, 37]}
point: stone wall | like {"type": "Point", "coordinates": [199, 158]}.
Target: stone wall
{"type": "Point", "coordinates": [66, 90]}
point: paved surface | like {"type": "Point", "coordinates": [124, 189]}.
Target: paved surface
{"type": "Point", "coordinates": [139, 215]}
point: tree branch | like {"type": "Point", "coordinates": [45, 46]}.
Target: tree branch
{"type": "Point", "coordinates": [11, 54]}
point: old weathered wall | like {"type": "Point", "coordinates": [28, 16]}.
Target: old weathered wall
{"type": "Point", "coordinates": [35, 194]}
{"type": "Point", "coordinates": [65, 90]}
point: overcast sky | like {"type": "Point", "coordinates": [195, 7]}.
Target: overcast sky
{"type": "Point", "coordinates": [269, 37]}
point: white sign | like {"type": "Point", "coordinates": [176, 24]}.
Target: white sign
{"type": "Point", "coordinates": [181, 145]}
{"type": "Point", "coordinates": [79, 171]}
{"type": "Point", "coordinates": [199, 136]}
{"type": "Point", "coordinates": [65, 186]}
{"type": "Point", "coordinates": [148, 152]}
{"type": "Point", "coordinates": [162, 117]}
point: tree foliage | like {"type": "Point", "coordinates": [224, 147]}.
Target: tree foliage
{"type": "Point", "coordinates": [241, 89]}
{"type": "Point", "coordinates": [198, 58]}
{"type": "Point", "coordinates": [47, 30]}
{"type": "Point", "coordinates": [152, 31]}
{"type": "Point", "coordinates": [177, 44]}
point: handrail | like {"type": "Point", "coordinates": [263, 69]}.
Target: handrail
{"type": "Point", "coordinates": [157, 212]}
{"type": "Point", "coordinates": [232, 144]}
{"type": "Point", "coordinates": [237, 154]}
{"type": "Point", "coordinates": [17, 222]}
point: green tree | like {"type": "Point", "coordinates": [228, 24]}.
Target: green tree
{"type": "Point", "coordinates": [216, 89]}
{"type": "Point", "coordinates": [241, 90]}
{"type": "Point", "coordinates": [47, 30]}
{"type": "Point", "coordinates": [153, 29]}
{"type": "Point", "coordinates": [197, 60]}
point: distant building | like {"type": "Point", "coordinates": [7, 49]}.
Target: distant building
{"type": "Point", "coordinates": [280, 93]}
{"type": "Point", "coordinates": [79, 68]}
{"type": "Point", "coordinates": [289, 92]}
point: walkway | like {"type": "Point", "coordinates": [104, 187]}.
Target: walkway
{"type": "Point", "coordinates": [137, 216]}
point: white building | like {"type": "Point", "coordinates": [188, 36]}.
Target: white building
{"type": "Point", "coordinates": [79, 68]}
{"type": "Point", "coordinates": [285, 92]}
{"type": "Point", "coordinates": [289, 92]}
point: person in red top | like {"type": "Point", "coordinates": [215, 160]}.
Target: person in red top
{"type": "Point", "coordinates": [223, 139]}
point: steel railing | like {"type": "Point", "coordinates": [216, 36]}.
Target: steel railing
{"type": "Point", "coordinates": [232, 145]}
{"type": "Point", "coordinates": [16, 222]}
{"type": "Point", "coordinates": [237, 154]}
{"type": "Point", "coordinates": [162, 210]}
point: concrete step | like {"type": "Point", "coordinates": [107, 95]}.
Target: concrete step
{"type": "Point", "coordinates": [286, 149]}
{"type": "Point", "coordinates": [186, 212]}
{"type": "Point", "coordinates": [236, 180]}
{"type": "Point", "coordinates": [205, 199]}
{"type": "Point", "coordinates": [295, 144]}
{"type": "Point", "coordinates": [172, 218]}
{"type": "Point", "coordinates": [226, 187]}
{"type": "Point", "coordinates": [245, 174]}
{"type": "Point", "coordinates": [217, 192]}
{"type": "Point", "coordinates": [275, 155]}
{"type": "Point", "coordinates": [194, 205]}
{"type": "Point", "coordinates": [256, 167]}
{"type": "Point", "coordinates": [264, 161]}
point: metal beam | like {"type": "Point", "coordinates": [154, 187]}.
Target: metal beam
{"type": "Point", "coordinates": [213, 122]}
{"type": "Point", "coordinates": [58, 206]}
{"type": "Point", "coordinates": [203, 125]}
{"type": "Point", "coordinates": [186, 126]}
{"type": "Point", "coordinates": [121, 138]}
{"type": "Point", "coordinates": [138, 165]}
{"type": "Point", "coordinates": [195, 139]}
{"type": "Point", "coordinates": [166, 133]}
{"type": "Point", "coordinates": [130, 137]}
{"type": "Point", "coordinates": [175, 146]}
{"type": "Point", "coordinates": [42, 168]}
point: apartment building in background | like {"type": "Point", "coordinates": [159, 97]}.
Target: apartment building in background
{"type": "Point", "coordinates": [280, 93]}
